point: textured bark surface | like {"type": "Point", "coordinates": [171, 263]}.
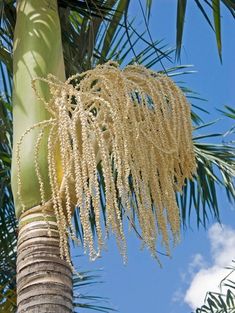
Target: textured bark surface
{"type": "Point", "coordinates": [44, 280]}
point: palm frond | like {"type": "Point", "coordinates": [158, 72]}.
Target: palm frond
{"type": "Point", "coordinates": [223, 301]}
{"type": "Point", "coordinates": [216, 168]}
{"type": "Point", "coordinates": [81, 300]}
{"type": "Point", "coordinates": [8, 223]}
{"type": "Point", "coordinates": [89, 9]}
{"type": "Point", "coordinates": [217, 24]}
{"type": "Point", "coordinates": [181, 10]}
{"type": "Point", "coordinates": [205, 7]}
{"type": "Point", "coordinates": [228, 111]}
{"type": "Point", "coordinates": [7, 24]}
{"type": "Point", "coordinates": [91, 41]}
{"type": "Point", "coordinates": [7, 266]}
{"type": "Point", "coordinates": [80, 32]}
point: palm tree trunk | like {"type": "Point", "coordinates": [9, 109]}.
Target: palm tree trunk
{"type": "Point", "coordinates": [44, 280]}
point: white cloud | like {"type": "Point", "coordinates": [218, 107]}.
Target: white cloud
{"type": "Point", "coordinates": [197, 263]}
{"type": "Point", "coordinates": [178, 296]}
{"type": "Point", "coordinates": [207, 278]}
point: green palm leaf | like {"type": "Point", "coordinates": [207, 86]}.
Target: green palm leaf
{"type": "Point", "coordinates": [217, 24]}
{"type": "Point", "coordinates": [205, 7]}
{"type": "Point", "coordinates": [220, 302]}
{"type": "Point", "coordinates": [84, 301]}
{"type": "Point", "coordinates": [181, 9]}
{"type": "Point", "coordinates": [216, 167]}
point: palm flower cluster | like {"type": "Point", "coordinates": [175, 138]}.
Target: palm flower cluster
{"type": "Point", "coordinates": [136, 125]}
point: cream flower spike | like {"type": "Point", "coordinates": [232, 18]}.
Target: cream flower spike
{"type": "Point", "coordinates": [137, 125]}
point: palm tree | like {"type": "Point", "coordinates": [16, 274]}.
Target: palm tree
{"type": "Point", "coordinates": [222, 301]}
{"type": "Point", "coordinates": [88, 33]}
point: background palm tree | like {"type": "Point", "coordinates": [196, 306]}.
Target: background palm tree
{"type": "Point", "coordinates": [93, 33]}
{"type": "Point", "coordinates": [222, 301]}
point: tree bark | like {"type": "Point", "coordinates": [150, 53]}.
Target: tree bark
{"type": "Point", "coordinates": [44, 280]}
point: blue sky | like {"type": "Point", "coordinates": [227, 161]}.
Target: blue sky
{"type": "Point", "coordinates": [142, 286]}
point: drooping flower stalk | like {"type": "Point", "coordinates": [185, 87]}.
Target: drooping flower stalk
{"type": "Point", "coordinates": [137, 125]}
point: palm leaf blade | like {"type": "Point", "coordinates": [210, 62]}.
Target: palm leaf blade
{"type": "Point", "coordinates": [217, 25]}
{"type": "Point", "coordinates": [181, 8]}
